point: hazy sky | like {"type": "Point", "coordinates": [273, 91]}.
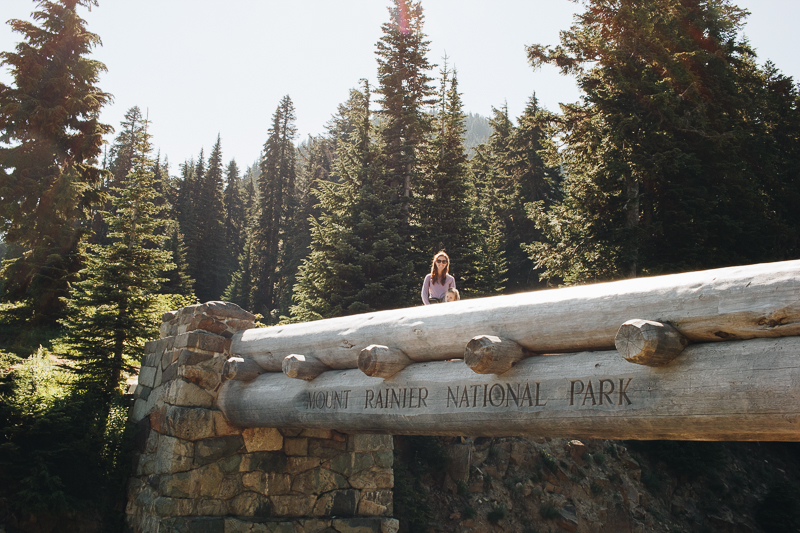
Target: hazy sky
{"type": "Point", "coordinates": [207, 67]}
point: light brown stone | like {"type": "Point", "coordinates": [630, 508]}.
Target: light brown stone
{"type": "Point", "coordinates": [375, 503]}
{"type": "Point", "coordinates": [292, 505]}
{"type": "Point", "coordinates": [173, 455]}
{"type": "Point", "coordinates": [317, 433]}
{"type": "Point", "coordinates": [576, 450]}
{"type": "Point", "coordinates": [317, 481]}
{"type": "Point", "coordinates": [222, 427]}
{"type": "Point", "coordinates": [198, 483]}
{"type": "Point", "coordinates": [262, 439]}
{"type": "Point", "coordinates": [187, 394]}
{"type": "Point", "coordinates": [295, 465]}
{"type": "Point", "coordinates": [268, 484]}
{"type": "Point", "coordinates": [249, 504]}
{"type": "Point", "coordinates": [203, 378]}
{"type": "Point", "coordinates": [296, 447]}
{"type": "Point", "coordinates": [373, 479]}
{"type": "Point", "coordinates": [372, 443]}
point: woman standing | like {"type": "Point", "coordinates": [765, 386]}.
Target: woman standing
{"type": "Point", "coordinates": [438, 281]}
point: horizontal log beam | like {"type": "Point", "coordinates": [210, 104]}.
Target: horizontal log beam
{"type": "Point", "coordinates": [742, 390]}
{"type": "Point", "coordinates": [714, 305]}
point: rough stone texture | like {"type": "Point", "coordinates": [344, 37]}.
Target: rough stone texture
{"type": "Point", "coordinates": [195, 471]}
{"type": "Point", "coordinates": [262, 439]}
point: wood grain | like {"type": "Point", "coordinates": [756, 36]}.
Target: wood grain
{"type": "Point", "coordinates": [740, 390]}
{"type": "Point", "coordinates": [714, 305]}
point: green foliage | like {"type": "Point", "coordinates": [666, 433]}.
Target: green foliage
{"type": "Point", "coordinates": [596, 488]}
{"type": "Point", "coordinates": [50, 136]}
{"type": "Point", "coordinates": [651, 183]}
{"type": "Point", "coordinates": [779, 510]}
{"type": "Point", "coordinates": [110, 308]}
{"type": "Point", "coordinates": [599, 458]}
{"type": "Point", "coordinates": [462, 489]}
{"type": "Point", "coordinates": [548, 460]}
{"type": "Point", "coordinates": [470, 513]}
{"type": "Point", "coordinates": [358, 260]}
{"type": "Point", "coordinates": [497, 513]}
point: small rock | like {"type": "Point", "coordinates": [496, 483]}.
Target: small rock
{"type": "Point", "coordinates": [576, 450]}
{"type": "Point", "coordinates": [568, 519]}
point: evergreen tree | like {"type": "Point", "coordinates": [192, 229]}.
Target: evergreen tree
{"type": "Point", "coordinates": [357, 261]}
{"type": "Point", "coordinates": [490, 266]}
{"type": "Point", "coordinates": [50, 137]}
{"type": "Point", "coordinates": [109, 308]}
{"type": "Point", "coordinates": [235, 219]}
{"type": "Point", "coordinates": [176, 280]}
{"type": "Point", "coordinates": [442, 199]}
{"type": "Point", "coordinates": [663, 167]}
{"type": "Point", "coordinates": [276, 183]}
{"type": "Point", "coordinates": [209, 255]}
{"type": "Point", "coordinates": [406, 94]}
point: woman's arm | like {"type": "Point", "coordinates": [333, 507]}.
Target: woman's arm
{"type": "Point", "coordinates": [425, 286]}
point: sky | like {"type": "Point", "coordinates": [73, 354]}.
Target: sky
{"type": "Point", "coordinates": [202, 68]}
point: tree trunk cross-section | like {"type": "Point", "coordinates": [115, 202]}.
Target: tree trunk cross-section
{"type": "Point", "coordinates": [649, 343]}
{"type": "Point", "coordinates": [739, 390]}
{"type": "Point", "coordinates": [715, 305]}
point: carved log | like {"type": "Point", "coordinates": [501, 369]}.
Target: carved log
{"type": "Point", "coordinates": [714, 305]}
{"type": "Point", "coordinates": [742, 390]}
{"type": "Point", "coordinates": [305, 367]}
{"type": "Point", "coordinates": [650, 343]}
{"type": "Point", "coordinates": [381, 361]}
{"type": "Point", "coordinates": [241, 369]}
{"type": "Point", "coordinates": [487, 354]}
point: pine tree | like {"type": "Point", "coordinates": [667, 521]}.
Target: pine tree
{"type": "Point", "coordinates": [276, 183]}
{"type": "Point", "coordinates": [110, 307]}
{"type": "Point", "coordinates": [441, 206]}
{"type": "Point", "coordinates": [406, 94]}
{"type": "Point", "coordinates": [209, 255]}
{"type": "Point", "coordinates": [357, 262]}
{"type": "Point", "coordinates": [662, 168]}
{"type": "Point", "coordinates": [50, 137]}
{"type": "Point", "coordinates": [235, 219]}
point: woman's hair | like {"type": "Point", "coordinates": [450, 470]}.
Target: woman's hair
{"type": "Point", "coordinates": [434, 273]}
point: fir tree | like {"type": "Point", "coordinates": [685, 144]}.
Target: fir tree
{"type": "Point", "coordinates": [235, 219]}
{"type": "Point", "coordinates": [406, 94]}
{"type": "Point", "coordinates": [276, 183]}
{"type": "Point", "coordinates": [442, 202]}
{"type": "Point", "coordinates": [664, 171]}
{"type": "Point", "coordinates": [50, 137]}
{"type": "Point", "coordinates": [110, 307]}
{"type": "Point", "coordinates": [209, 255]}
{"type": "Point", "coordinates": [357, 261]}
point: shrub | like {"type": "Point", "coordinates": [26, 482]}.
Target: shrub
{"type": "Point", "coordinates": [498, 513]}
{"type": "Point", "coordinates": [470, 513]}
{"type": "Point", "coordinates": [461, 488]}
{"type": "Point", "coordinates": [549, 461]}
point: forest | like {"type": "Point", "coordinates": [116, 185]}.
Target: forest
{"type": "Point", "coordinates": [683, 153]}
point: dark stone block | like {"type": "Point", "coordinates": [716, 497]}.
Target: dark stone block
{"type": "Point", "coordinates": [345, 503]}
{"type": "Point", "coordinates": [189, 357]}
{"type": "Point", "coordinates": [228, 310]}
{"type": "Point", "coordinates": [142, 432]}
{"type": "Point", "coordinates": [207, 451]}
{"type": "Point", "coordinates": [169, 373]}
{"type": "Point", "coordinates": [271, 461]}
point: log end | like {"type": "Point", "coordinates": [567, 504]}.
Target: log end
{"type": "Point", "coordinates": [305, 367]}
{"type": "Point", "coordinates": [381, 361]}
{"type": "Point", "coordinates": [650, 343]}
{"type": "Point", "coordinates": [488, 354]}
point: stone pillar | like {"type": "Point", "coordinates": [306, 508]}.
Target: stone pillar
{"type": "Point", "coordinates": [196, 472]}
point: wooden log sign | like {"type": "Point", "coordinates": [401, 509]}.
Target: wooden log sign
{"type": "Point", "coordinates": [740, 390]}
{"type": "Point", "coordinates": [715, 305]}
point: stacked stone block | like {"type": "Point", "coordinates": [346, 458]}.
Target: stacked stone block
{"type": "Point", "coordinates": [196, 472]}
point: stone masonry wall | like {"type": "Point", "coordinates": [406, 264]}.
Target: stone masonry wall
{"type": "Point", "coordinates": [195, 472]}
